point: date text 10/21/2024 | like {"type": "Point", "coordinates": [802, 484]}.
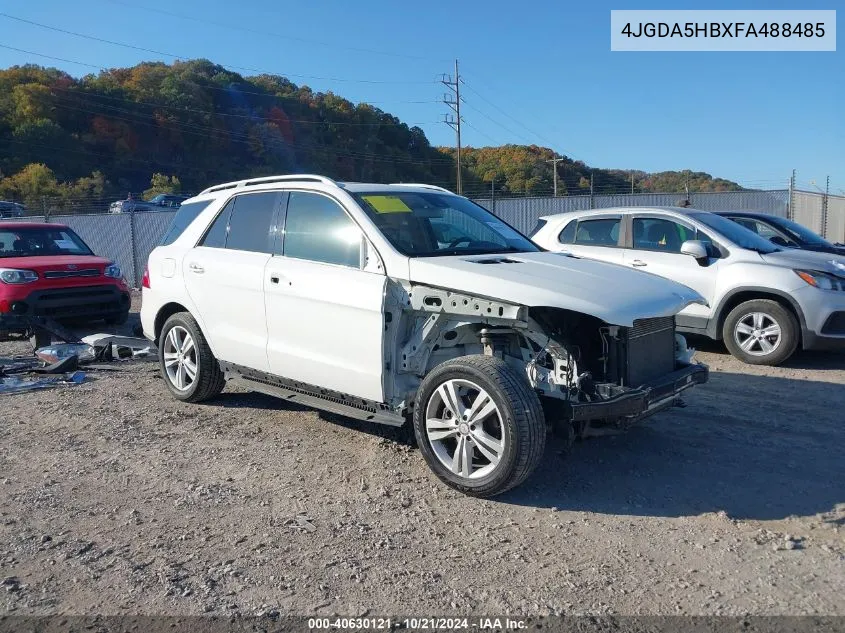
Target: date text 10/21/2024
{"type": "Point", "coordinates": [419, 624]}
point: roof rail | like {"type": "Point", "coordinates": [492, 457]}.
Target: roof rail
{"type": "Point", "coordinates": [419, 184]}
{"type": "Point", "coordinates": [269, 180]}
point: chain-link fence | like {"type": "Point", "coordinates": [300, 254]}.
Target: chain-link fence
{"type": "Point", "coordinates": [523, 213]}
{"type": "Point", "coordinates": [128, 238]}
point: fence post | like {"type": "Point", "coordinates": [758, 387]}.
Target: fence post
{"type": "Point", "coordinates": [825, 207]}
{"type": "Point", "coordinates": [133, 243]}
{"type": "Point", "coordinates": [790, 208]}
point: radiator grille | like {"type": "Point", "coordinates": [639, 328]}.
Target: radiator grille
{"type": "Point", "coordinates": [651, 350]}
{"type": "Point", "coordinates": [64, 274]}
{"type": "Point", "coordinates": [643, 327]}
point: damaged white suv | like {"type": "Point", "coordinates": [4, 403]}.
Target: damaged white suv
{"type": "Point", "coordinates": [407, 303]}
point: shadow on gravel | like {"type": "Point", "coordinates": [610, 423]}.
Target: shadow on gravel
{"type": "Point", "coordinates": [799, 360]}
{"type": "Point", "coordinates": [244, 399]}
{"type": "Point", "coordinates": [756, 447]}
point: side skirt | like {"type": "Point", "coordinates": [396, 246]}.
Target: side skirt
{"type": "Point", "coordinates": [311, 395]}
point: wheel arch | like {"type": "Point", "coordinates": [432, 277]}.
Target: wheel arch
{"type": "Point", "coordinates": [740, 295]}
{"type": "Point", "coordinates": [165, 312]}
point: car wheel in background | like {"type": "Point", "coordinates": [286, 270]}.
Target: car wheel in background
{"type": "Point", "coordinates": [479, 425]}
{"type": "Point", "coordinates": [761, 332]}
{"type": "Point", "coordinates": [190, 371]}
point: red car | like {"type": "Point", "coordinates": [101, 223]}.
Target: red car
{"type": "Point", "coordinates": [46, 270]}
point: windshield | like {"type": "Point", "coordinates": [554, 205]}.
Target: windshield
{"type": "Point", "coordinates": [434, 224]}
{"type": "Point", "coordinates": [735, 233]}
{"type": "Point", "coordinates": [800, 234]}
{"type": "Point", "coordinates": [36, 241]}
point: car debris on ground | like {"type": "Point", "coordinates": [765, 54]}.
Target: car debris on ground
{"type": "Point", "coordinates": [58, 363]}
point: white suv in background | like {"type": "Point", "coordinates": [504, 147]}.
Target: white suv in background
{"type": "Point", "coordinates": [762, 299]}
{"type": "Point", "coordinates": [392, 303]}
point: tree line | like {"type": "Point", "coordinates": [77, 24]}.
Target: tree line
{"type": "Point", "coordinates": [159, 127]}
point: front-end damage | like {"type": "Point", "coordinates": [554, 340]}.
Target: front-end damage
{"type": "Point", "coordinates": [592, 376]}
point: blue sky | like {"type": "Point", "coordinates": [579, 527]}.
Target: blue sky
{"type": "Point", "coordinates": [535, 72]}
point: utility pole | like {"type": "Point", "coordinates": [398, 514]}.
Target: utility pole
{"type": "Point", "coordinates": [591, 190]}
{"type": "Point", "coordinates": [632, 182]}
{"type": "Point", "coordinates": [493, 195]}
{"type": "Point", "coordinates": [554, 162]}
{"type": "Point", "coordinates": [454, 122]}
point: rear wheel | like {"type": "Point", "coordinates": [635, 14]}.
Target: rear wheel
{"type": "Point", "coordinates": [190, 371]}
{"type": "Point", "coordinates": [479, 425]}
{"type": "Point", "coordinates": [761, 332]}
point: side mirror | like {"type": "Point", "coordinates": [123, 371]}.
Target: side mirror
{"type": "Point", "coordinates": [695, 249]}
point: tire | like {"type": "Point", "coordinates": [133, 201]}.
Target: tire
{"type": "Point", "coordinates": [117, 319]}
{"type": "Point", "coordinates": [749, 321]}
{"type": "Point", "coordinates": [514, 432]}
{"type": "Point", "coordinates": [207, 381]}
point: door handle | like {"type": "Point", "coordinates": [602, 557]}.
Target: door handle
{"type": "Point", "coordinates": [638, 263]}
{"type": "Point", "coordinates": [196, 268]}
{"type": "Point", "coordinates": [278, 278]}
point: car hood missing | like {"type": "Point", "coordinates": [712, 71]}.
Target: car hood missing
{"type": "Point", "coordinates": [615, 294]}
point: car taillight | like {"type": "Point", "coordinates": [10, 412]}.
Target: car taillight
{"type": "Point", "coordinates": [145, 280]}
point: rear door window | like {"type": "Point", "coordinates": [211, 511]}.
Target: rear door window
{"type": "Point", "coordinates": [215, 237]}
{"type": "Point", "coordinates": [251, 222]}
{"type": "Point", "coordinates": [567, 235]}
{"type": "Point", "coordinates": [599, 232]}
{"type": "Point", "coordinates": [187, 213]}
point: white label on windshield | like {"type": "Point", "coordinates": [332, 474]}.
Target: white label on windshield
{"type": "Point", "coordinates": [66, 245]}
{"type": "Point", "coordinates": [504, 230]}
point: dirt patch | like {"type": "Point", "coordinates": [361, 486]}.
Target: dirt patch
{"type": "Point", "coordinates": [114, 498]}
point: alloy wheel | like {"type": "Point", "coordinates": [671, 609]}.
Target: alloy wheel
{"type": "Point", "coordinates": [180, 358]}
{"type": "Point", "coordinates": [464, 428]}
{"type": "Point", "coordinates": [757, 334]}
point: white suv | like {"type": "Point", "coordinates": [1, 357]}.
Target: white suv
{"type": "Point", "coordinates": [405, 302]}
{"type": "Point", "coordinates": [762, 299]}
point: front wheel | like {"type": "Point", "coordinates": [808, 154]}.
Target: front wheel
{"type": "Point", "coordinates": [191, 372]}
{"type": "Point", "coordinates": [479, 425]}
{"type": "Point", "coordinates": [761, 332]}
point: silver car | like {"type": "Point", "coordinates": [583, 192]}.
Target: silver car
{"type": "Point", "coordinates": [764, 301]}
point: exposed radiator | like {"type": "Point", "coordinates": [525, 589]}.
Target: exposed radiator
{"type": "Point", "coordinates": [643, 352]}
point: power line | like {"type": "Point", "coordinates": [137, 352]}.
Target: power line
{"type": "Point", "coordinates": [208, 86]}
{"type": "Point", "coordinates": [82, 93]}
{"type": "Point", "coordinates": [175, 56]}
{"type": "Point", "coordinates": [60, 59]}
{"type": "Point", "coordinates": [234, 137]}
{"type": "Point", "coordinates": [237, 27]}
{"type": "Point", "coordinates": [484, 134]}
{"type": "Point", "coordinates": [518, 122]}
{"type": "Point", "coordinates": [489, 118]}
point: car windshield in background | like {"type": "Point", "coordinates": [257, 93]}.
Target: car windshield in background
{"type": "Point", "coordinates": [800, 233]}
{"type": "Point", "coordinates": [37, 241]}
{"type": "Point", "coordinates": [433, 224]}
{"type": "Point", "coordinates": [735, 233]}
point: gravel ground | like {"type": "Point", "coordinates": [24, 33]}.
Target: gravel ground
{"type": "Point", "coordinates": [116, 499]}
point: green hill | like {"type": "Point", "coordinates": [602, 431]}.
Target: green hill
{"type": "Point", "coordinates": [190, 124]}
